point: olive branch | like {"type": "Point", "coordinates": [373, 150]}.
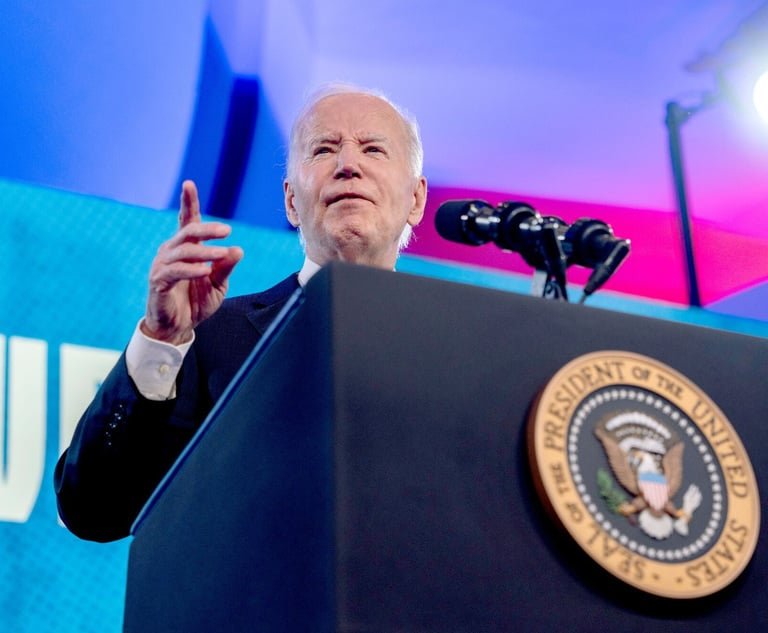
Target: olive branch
{"type": "Point", "coordinates": [613, 496]}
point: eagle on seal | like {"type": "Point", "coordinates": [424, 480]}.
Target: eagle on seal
{"type": "Point", "coordinates": [647, 460]}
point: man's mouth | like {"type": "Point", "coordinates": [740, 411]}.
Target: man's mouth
{"type": "Point", "coordinates": [345, 196]}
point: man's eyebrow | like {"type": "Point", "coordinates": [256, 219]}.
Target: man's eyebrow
{"type": "Point", "coordinates": [324, 138]}
{"type": "Point", "coordinates": [335, 139]}
{"type": "Point", "coordinates": [373, 138]}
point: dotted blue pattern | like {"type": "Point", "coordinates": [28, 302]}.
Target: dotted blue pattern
{"type": "Point", "coordinates": [75, 272]}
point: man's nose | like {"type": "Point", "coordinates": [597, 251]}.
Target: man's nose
{"type": "Point", "coordinates": [347, 162]}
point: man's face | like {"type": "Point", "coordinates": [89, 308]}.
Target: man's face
{"type": "Point", "coordinates": [352, 190]}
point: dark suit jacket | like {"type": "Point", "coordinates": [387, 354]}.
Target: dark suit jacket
{"type": "Point", "coordinates": [124, 444]}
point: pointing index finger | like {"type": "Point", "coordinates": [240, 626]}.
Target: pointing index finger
{"type": "Point", "coordinates": [189, 209]}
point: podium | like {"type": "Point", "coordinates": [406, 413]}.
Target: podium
{"type": "Point", "coordinates": [367, 471]}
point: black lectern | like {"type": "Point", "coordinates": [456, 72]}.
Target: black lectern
{"type": "Point", "coordinates": [367, 471]}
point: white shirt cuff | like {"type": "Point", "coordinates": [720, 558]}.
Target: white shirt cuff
{"type": "Point", "coordinates": [153, 365]}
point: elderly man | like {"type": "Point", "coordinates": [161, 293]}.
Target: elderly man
{"type": "Point", "coordinates": [354, 190]}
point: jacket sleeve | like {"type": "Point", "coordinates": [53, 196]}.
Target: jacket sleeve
{"type": "Point", "coordinates": [122, 447]}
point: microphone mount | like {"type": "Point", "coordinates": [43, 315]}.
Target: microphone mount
{"type": "Point", "coordinates": [547, 243]}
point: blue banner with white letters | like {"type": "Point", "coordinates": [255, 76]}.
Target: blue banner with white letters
{"type": "Point", "coordinates": [71, 292]}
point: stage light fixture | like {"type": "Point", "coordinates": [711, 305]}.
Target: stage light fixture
{"type": "Point", "coordinates": [729, 64]}
{"type": "Point", "coordinates": [760, 96]}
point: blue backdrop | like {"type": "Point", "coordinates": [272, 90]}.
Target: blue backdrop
{"type": "Point", "coordinates": [73, 289]}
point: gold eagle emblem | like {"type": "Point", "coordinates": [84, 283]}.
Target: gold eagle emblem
{"type": "Point", "coordinates": [646, 458]}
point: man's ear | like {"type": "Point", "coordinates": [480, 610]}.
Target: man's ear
{"type": "Point", "coordinates": [290, 209]}
{"type": "Point", "coordinates": [419, 202]}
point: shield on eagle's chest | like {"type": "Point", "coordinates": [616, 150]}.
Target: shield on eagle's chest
{"type": "Point", "coordinates": [655, 489]}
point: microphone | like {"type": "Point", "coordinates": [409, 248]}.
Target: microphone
{"type": "Point", "coordinates": [512, 226]}
{"type": "Point", "coordinates": [595, 246]}
{"type": "Point", "coordinates": [546, 243]}
{"type": "Point", "coordinates": [476, 222]}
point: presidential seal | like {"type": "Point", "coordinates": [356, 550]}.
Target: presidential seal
{"type": "Point", "coordinates": [646, 474]}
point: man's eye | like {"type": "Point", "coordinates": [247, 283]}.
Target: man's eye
{"type": "Point", "coordinates": [374, 149]}
{"type": "Point", "coordinates": [323, 149]}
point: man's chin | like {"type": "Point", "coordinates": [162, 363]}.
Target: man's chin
{"type": "Point", "coordinates": [351, 245]}
{"type": "Point", "coordinates": [355, 246]}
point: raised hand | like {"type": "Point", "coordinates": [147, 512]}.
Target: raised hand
{"type": "Point", "coordinates": [188, 279]}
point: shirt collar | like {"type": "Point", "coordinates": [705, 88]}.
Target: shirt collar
{"type": "Point", "coordinates": [307, 270]}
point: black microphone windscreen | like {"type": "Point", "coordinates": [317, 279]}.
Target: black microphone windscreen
{"type": "Point", "coordinates": [449, 222]}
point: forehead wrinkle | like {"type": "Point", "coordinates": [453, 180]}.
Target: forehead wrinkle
{"type": "Point", "coordinates": [307, 120]}
{"type": "Point", "coordinates": [315, 124]}
{"type": "Point", "coordinates": [336, 139]}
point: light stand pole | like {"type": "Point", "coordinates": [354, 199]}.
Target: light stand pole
{"type": "Point", "coordinates": [676, 116]}
{"type": "Point", "coordinates": [748, 38]}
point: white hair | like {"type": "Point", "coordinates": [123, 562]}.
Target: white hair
{"type": "Point", "coordinates": [413, 137]}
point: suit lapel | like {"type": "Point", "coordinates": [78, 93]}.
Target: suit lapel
{"type": "Point", "coordinates": [266, 305]}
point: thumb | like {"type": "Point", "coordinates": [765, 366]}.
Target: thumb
{"type": "Point", "coordinates": [223, 267]}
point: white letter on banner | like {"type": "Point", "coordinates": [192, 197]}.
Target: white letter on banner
{"type": "Point", "coordinates": [22, 425]}
{"type": "Point", "coordinates": [81, 371]}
